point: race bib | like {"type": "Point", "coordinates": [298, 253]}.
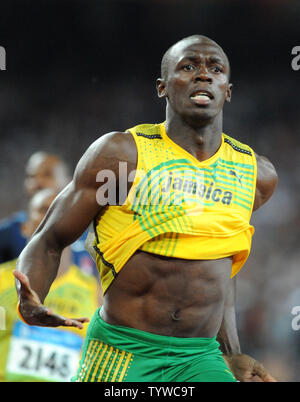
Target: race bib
{"type": "Point", "coordinates": [42, 354]}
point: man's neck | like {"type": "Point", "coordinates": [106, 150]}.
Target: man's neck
{"type": "Point", "coordinates": [202, 141]}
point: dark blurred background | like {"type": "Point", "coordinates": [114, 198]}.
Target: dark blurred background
{"type": "Point", "coordinates": [78, 69]}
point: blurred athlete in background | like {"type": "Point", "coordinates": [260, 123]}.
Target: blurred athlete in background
{"type": "Point", "coordinates": [43, 170]}
{"type": "Point", "coordinates": [45, 354]}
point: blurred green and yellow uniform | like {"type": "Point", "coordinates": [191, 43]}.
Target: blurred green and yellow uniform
{"type": "Point", "coordinates": [31, 353]}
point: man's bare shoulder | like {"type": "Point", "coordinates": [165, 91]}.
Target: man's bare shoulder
{"type": "Point", "coordinates": [266, 182]}
{"type": "Point", "coordinates": [115, 144]}
{"type": "Point", "coordinates": [105, 153]}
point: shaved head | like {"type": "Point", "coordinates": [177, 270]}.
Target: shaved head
{"type": "Point", "coordinates": [184, 43]}
{"type": "Point", "coordinates": [192, 64]}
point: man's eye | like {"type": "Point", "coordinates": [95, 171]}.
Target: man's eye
{"type": "Point", "coordinates": [217, 69]}
{"type": "Point", "coordinates": [188, 67]}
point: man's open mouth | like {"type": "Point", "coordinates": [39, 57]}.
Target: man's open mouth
{"type": "Point", "coordinates": [202, 95]}
{"type": "Point", "coordinates": [201, 98]}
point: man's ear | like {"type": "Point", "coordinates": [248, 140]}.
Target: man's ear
{"type": "Point", "coordinates": [228, 93]}
{"type": "Point", "coordinates": [161, 87]}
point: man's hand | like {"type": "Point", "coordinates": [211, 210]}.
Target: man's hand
{"type": "Point", "coordinates": [247, 369]}
{"type": "Point", "coordinates": [35, 313]}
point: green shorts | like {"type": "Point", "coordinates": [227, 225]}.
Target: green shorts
{"type": "Point", "coordinates": [116, 353]}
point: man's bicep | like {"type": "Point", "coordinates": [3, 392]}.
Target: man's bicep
{"type": "Point", "coordinates": [76, 206]}
{"type": "Point", "coordinates": [69, 215]}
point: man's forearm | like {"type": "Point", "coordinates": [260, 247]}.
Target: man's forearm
{"type": "Point", "coordinates": [228, 335]}
{"type": "Point", "coordinates": [40, 261]}
{"type": "Point", "coordinates": [228, 338]}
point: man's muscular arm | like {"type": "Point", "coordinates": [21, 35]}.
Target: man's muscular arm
{"type": "Point", "coordinates": [266, 181]}
{"type": "Point", "coordinates": [67, 218]}
{"type": "Point", "coordinates": [228, 335]}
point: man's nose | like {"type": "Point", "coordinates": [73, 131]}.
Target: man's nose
{"type": "Point", "coordinates": [202, 75]}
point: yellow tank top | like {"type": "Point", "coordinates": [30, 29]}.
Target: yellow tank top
{"type": "Point", "coordinates": [180, 207]}
{"type": "Point", "coordinates": [30, 353]}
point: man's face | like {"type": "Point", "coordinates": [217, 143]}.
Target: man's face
{"type": "Point", "coordinates": [196, 85]}
{"type": "Point", "coordinates": [44, 172]}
